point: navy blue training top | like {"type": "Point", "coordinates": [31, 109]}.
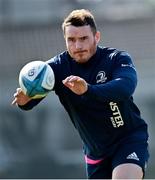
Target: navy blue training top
{"type": "Point", "coordinates": [106, 114]}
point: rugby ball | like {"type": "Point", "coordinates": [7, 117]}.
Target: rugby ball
{"type": "Point", "coordinates": [36, 79]}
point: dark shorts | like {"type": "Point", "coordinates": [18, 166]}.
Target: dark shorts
{"type": "Point", "coordinates": [136, 153]}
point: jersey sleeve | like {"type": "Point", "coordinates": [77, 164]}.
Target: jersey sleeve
{"type": "Point", "coordinates": [30, 104]}
{"type": "Point", "coordinates": [122, 84]}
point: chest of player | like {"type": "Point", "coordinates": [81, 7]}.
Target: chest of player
{"type": "Point", "coordinates": [94, 74]}
{"type": "Point", "coordinates": [98, 74]}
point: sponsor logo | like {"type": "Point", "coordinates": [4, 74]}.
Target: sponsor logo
{"type": "Point", "coordinates": [101, 77]}
{"type": "Point", "coordinates": [133, 156]}
{"type": "Point", "coordinates": [31, 72]}
{"type": "Point", "coordinates": [128, 65]}
{"type": "Point", "coordinates": [116, 118]}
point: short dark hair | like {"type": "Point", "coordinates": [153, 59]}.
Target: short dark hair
{"type": "Point", "coordinates": [80, 17]}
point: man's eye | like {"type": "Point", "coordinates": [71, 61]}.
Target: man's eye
{"type": "Point", "coordinates": [84, 38]}
{"type": "Point", "coordinates": [71, 39]}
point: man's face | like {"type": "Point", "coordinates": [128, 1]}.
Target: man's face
{"type": "Point", "coordinates": [81, 42]}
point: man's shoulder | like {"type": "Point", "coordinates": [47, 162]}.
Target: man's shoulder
{"type": "Point", "coordinates": [112, 53]}
{"type": "Point", "coordinates": [110, 50]}
{"type": "Point", "coordinates": [59, 58]}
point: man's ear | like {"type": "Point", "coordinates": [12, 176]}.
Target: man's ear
{"type": "Point", "coordinates": [97, 36]}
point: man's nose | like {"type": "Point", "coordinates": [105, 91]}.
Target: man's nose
{"type": "Point", "coordinates": [78, 45]}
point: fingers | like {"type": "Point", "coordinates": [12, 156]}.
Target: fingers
{"type": "Point", "coordinates": [14, 102]}
{"type": "Point", "coordinates": [16, 95]}
{"type": "Point", "coordinates": [76, 84]}
{"type": "Point", "coordinates": [70, 80]}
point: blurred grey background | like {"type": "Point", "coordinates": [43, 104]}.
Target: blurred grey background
{"type": "Point", "coordinates": [42, 143]}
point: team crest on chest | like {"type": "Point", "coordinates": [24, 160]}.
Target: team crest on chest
{"type": "Point", "coordinates": [101, 77]}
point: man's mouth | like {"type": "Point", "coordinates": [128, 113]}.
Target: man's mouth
{"type": "Point", "coordinates": [80, 52]}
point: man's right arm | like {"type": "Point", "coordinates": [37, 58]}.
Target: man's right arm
{"type": "Point", "coordinates": [23, 101]}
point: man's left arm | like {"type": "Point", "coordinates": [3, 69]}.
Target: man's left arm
{"type": "Point", "coordinates": [121, 87]}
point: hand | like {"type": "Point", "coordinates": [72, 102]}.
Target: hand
{"type": "Point", "coordinates": [76, 84]}
{"type": "Point", "coordinates": [20, 98]}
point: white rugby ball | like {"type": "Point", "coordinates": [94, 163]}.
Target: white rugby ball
{"type": "Point", "coordinates": [36, 79]}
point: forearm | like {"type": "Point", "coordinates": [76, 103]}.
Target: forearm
{"type": "Point", "coordinates": [116, 90]}
{"type": "Point", "coordinates": [32, 103]}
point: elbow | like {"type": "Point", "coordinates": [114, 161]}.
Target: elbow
{"type": "Point", "coordinates": [128, 88]}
